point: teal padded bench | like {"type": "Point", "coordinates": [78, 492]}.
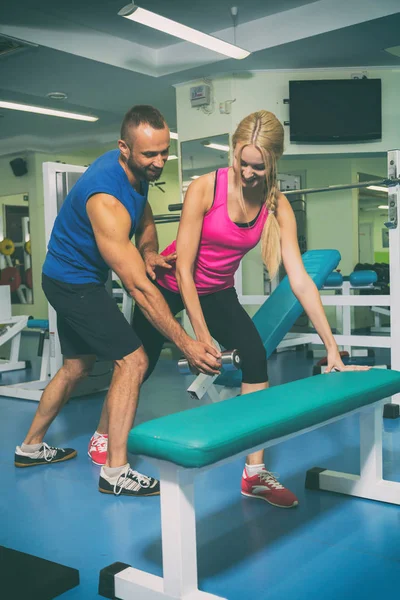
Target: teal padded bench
{"type": "Point", "coordinates": [187, 443]}
{"type": "Point", "coordinates": [273, 320]}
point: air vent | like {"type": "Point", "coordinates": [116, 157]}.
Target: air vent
{"type": "Point", "coordinates": [10, 45]}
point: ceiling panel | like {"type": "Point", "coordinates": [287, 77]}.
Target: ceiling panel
{"type": "Point", "coordinates": [106, 90]}
{"type": "Point", "coordinates": [207, 16]}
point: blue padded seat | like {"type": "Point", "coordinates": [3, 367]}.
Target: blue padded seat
{"type": "Point", "coordinates": [38, 324]}
{"type": "Point", "coordinates": [363, 278]}
{"type": "Point", "coordinates": [334, 279]}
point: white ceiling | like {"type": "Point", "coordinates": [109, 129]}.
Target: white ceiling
{"type": "Point", "coordinates": [106, 63]}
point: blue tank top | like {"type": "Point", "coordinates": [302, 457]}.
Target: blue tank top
{"type": "Point", "coordinates": [72, 253]}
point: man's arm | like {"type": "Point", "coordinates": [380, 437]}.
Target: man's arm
{"type": "Point", "coordinates": [146, 240]}
{"type": "Point", "coordinates": [111, 226]}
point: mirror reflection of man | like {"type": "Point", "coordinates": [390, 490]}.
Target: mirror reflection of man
{"type": "Point", "coordinates": [91, 235]}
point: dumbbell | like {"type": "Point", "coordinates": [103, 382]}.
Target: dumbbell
{"type": "Point", "coordinates": [230, 361]}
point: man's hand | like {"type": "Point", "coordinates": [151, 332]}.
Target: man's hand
{"type": "Point", "coordinates": [335, 363]}
{"type": "Point", "coordinates": [152, 260]}
{"type": "Point", "coordinates": [205, 358]}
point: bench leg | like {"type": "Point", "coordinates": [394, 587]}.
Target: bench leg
{"type": "Point", "coordinates": [178, 528]}
{"type": "Point", "coordinates": [202, 385]}
{"type": "Point", "coordinates": [369, 484]}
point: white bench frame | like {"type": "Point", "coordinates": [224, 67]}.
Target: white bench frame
{"type": "Point", "coordinates": [178, 519]}
{"type": "Point", "coordinates": [15, 326]}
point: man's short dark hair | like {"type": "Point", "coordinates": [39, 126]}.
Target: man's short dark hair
{"type": "Point", "coordinates": [141, 114]}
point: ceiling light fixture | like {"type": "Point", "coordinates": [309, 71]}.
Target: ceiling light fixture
{"type": "Point", "coordinates": [195, 176]}
{"type": "Point", "coordinates": [173, 135]}
{"type": "Point", "coordinates": [146, 17]}
{"type": "Point", "coordinates": [172, 157]}
{"type": "Point", "coordinates": [377, 188]}
{"type": "Point", "coordinates": [47, 111]}
{"type": "Point", "coordinates": [222, 147]}
{"type": "Point", "coordinates": [384, 206]}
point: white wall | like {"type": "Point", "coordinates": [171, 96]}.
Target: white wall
{"type": "Point", "coordinates": [159, 202]}
{"type": "Point", "coordinates": [377, 218]}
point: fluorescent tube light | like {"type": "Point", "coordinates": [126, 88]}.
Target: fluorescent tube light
{"type": "Point", "coordinates": [195, 176]}
{"type": "Point", "coordinates": [377, 188]}
{"type": "Point", "coordinates": [145, 17]}
{"type": "Point", "coordinates": [46, 111]}
{"type": "Point", "coordinates": [384, 206]}
{"type": "Point", "coordinates": [222, 147]}
{"type": "Point", "coordinates": [172, 157]}
{"type": "Point", "coordinates": [173, 135]}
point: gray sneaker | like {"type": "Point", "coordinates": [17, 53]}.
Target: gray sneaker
{"type": "Point", "coordinates": [44, 456]}
{"type": "Point", "coordinates": [129, 483]}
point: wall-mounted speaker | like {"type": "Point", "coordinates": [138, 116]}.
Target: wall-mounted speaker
{"type": "Point", "coordinates": [19, 167]}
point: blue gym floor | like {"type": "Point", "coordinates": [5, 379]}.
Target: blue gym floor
{"type": "Point", "coordinates": [330, 547]}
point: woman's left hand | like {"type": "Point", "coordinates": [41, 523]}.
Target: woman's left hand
{"type": "Point", "coordinates": [335, 363]}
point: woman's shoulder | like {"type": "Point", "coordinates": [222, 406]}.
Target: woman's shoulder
{"type": "Point", "coordinates": [201, 191]}
{"type": "Point", "coordinates": [204, 180]}
{"type": "Point", "coordinates": [204, 186]}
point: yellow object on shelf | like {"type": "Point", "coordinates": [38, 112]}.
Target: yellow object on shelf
{"type": "Point", "coordinates": [7, 247]}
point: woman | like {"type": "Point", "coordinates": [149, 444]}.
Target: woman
{"type": "Point", "coordinates": [224, 215]}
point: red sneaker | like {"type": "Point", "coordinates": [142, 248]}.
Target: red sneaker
{"type": "Point", "coordinates": [98, 449]}
{"type": "Point", "coordinates": [264, 485]}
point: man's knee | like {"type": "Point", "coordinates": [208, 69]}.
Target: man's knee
{"type": "Point", "coordinates": [135, 363]}
{"type": "Point", "coordinates": [76, 369]}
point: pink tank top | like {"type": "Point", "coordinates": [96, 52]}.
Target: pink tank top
{"type": "Point", "coordinates": [222, 245]}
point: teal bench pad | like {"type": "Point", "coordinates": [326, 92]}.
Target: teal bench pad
{"type": "Point", "coordinates": [205, 435]}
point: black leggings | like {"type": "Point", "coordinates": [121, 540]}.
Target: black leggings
{"type": "Point", "coordinates": [227, 322]}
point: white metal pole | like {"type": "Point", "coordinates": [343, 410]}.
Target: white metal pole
{"type": "Point", "coordinates": [346, 319]}
{"type": "Point", "coordinates": [50, 172]}
{"type": "Point", "coordinates": [394, 260]}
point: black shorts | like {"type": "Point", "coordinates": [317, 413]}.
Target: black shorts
{"type": "Point", "coordinates": [89, 320]}
{"type": "Point", "coordinates": [228, 323]}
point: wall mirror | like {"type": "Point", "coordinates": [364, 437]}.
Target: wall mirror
{"type": "Point", "coordinates": [15, 247]}
{"type": "Point", "coordinates": [202, 156]}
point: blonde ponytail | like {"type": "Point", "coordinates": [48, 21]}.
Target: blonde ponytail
{"type": "Point", "coordinates": [271, 235]}
{"type": "Point", "coordinates": [264, 131]}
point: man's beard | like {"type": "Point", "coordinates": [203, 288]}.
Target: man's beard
{"type": "Point", "coordinates": [141, 173]}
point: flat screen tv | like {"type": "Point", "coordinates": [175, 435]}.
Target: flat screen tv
{"type": "Point", "coordinates": [335, 110]}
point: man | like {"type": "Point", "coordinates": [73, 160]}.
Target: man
{"type": "Point", "coordinates": [91, 235]}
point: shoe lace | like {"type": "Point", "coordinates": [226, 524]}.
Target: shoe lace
{"type": "Point", "coordinates": [100, 444]}
{"type": "Point", "coordinates": [271, 479]}
{"type": "Point", "coordinates": [129, 479]}
{"type": "Point", "coordinates": [49, 452]}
